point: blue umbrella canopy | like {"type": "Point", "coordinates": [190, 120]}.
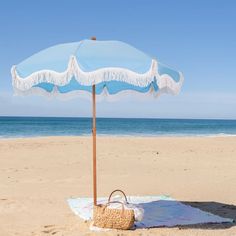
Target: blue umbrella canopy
{"type": "Point", "coordinates": [112, 66]}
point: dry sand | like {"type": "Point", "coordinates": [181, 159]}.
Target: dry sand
{"type": "Point", "coordinates": [37, 176]}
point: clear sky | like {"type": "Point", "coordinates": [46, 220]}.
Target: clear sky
{"type": "Point", "coordinates": [197, 37]}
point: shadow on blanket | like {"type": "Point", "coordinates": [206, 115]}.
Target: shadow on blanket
{"type": "Point", "coordinates": [216, 208]}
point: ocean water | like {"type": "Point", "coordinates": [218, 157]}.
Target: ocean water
{"type": "Point", "coordinates": [14, 127]}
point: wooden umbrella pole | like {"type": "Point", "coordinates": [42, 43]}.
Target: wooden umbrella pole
{"type": "Point", "coordinates": [94, 150]}
{"type": "Point", "coordinates": [94, 145]}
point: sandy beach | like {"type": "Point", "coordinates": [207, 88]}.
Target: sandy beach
{"type": "Point", "coordinates": [39, 174]}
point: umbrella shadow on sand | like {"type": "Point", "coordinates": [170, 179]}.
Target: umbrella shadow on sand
{"type": "Point", "coordinates": [202, 215]}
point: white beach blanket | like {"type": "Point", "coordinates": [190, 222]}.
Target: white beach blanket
{"type": "Point", "coordinates": [158, 211]}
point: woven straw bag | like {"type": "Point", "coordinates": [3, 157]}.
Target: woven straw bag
{"type": "Point", "coordinates": [105, 217]}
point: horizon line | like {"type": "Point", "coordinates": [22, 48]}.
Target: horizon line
{"type": "Point", "coordinates": [101, 117]}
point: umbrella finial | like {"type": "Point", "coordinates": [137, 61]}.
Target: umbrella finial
{"type": "Point", "coordinates": [93, 38]}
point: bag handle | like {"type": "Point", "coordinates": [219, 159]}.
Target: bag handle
{"type": "Point", "coordinates": [117, 190]}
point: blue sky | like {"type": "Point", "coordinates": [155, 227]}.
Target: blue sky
{"type": "Point", "coordinates": [196, 37]}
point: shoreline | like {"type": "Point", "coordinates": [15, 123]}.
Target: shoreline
{"type": "Point", "coordinates": [122, 136]}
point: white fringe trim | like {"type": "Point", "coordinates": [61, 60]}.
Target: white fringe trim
{"type": "Point", "coordinates": [84, 78]}
{"type": "Point", "coordinates": [167, 85]}
{"type": "Point", "coordinates": [24, 86]}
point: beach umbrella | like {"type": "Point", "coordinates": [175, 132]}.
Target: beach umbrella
{"type": "Point", "coordinates": [94, 67]}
